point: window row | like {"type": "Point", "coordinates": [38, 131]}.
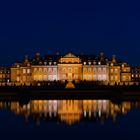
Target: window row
{"type": "Point", "coordinates": [45, 77]}
{"type": "Point", "coordinates": [104, 70]}
{"type": "Point", "coordinates": [95, 77]}
{"type": "Point", "coordinates": [114, 70]}
{"type": "Point", "coordinates": [70, 70]}
{"type": "Point", "coordinates": [45, 70]}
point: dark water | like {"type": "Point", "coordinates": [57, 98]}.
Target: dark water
{"type": "Point", "coordinates": [70, 119]}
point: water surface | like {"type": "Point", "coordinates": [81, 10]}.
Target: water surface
{"type": "Point", "coordinates": [70, 119]}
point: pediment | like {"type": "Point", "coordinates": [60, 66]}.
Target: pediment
{"type": "Point", "coordinates": [70, 55]}
{"type": "Point", "coordinates": [70, 58]}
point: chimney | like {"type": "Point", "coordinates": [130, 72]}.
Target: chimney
{"type": "Point", "coordinates": [37, 56]}
{"type": "Point", "coordinates": [102, 56]}
{"type": "Point", "coordinates": [26, 58]}
{"type": "Point", "coordinates": [114, 58]}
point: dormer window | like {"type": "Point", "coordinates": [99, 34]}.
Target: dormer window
{"type": "Point", "coordinates": [50, 63]}
{"type": "Point", "coordinates": [89, 63]}
{"type": "Point", "coordinates": [84, 63]}
{"type": "Point", "coordinates": [40, 63]}
{"type": "Point", "coordinates": [99, 63]}
{"type": "Point", "coordinates": [45, 63]}
{"type": "Point", "coordinates": [94, 62]}
{"type": "Point", "coordinates": [54, 63]}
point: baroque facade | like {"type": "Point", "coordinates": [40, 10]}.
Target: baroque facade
{"type": "Point", "coordinates": [70, 67]}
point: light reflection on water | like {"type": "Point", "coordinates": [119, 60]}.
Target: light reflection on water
{"type": "Point", "coordinates": [69, 111]}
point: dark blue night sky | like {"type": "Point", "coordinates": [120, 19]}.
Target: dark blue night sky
{"type": "Point", "coordinates": [109, 26]}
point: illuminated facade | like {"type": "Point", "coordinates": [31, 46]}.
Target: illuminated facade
{"type": "Point", "coordinates": [125, 72]}
{"type": "Point", "coordinates": [70, 67]}
{"type": "Point", "coordinates": [4, 75]}
{"type": "Point", "coordinates": [95, 68]}
{"type": "Point", "coordinates": [114, 70]}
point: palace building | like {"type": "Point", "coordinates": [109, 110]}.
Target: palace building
{"type": "Point", "coordinates": [70, 67]}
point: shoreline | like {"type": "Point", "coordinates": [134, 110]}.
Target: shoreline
{"type": "Point", "coordinates": [98, 93]}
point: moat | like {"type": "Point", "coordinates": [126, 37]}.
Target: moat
{"type": "Point", "coordinates": [96, 118]}
{"type": "Point", "coordinates": [36, 118]}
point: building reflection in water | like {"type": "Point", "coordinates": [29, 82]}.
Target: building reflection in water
{"type": "Point", "coordinates": [69, 111]}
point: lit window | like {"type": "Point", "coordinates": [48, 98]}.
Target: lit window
{"type": "Point", "coordinates": [54, 63]}
{"type": "Point", "coordinates": [89, 77]}
{"type": "Point", "coordinates": [76, 76]}
{"type": "Point", "coordinates": [69, 69]}
{"type": "Point", "coordinates": [94, 70]}
{"type": "Point", "coordinates": [104, 77]}
{"type": "Point", "coordinates": [40, 77]}
{"type": "Point", "coordinates": [55, 70]}
{"type": "Point", "coordinates": [111, 70]}
{"type": "Point", "coordinates": [64, 70]}
{"type": "Point", "coordinates": [89, 69]}
{"type": "Point", "coordinates": [35, 69]}
{"type": "Point", "coordinates": [85, 69]}
{"type": "Point", "coordinates": [45, 77]}
{"type": "Point", "coordinates": [116, 70]}
{"type": "Point", "coordinates": [99, 63]}
{"type": "Point", "coordinates": [45, 69]}
{"type": "Point", "coordinates": [85, 77]}
{"type": "Point", "coordinates": [124, 77]}
{"type": "Point", "coordinates": [99, 77]}
{"type": "Point", "coordinates": [54, 77]}
{"type": "Point", "coordinates": [24, 78]}
{"type": "Point", "coordinates": [18, 79]}
{"type": "Point", "coordinates": [64, 76]}
{"type": "Point", "coordinates": [112, 78]}
{"type": "Point", "coordinates": [132, 75]}
{"type": "Point", "coordinates": [94, 77]}
{"type": "Point", "coordinates": [35, 77]}
{"type": "Point", "coordinates": [40, 69]}
{"type": "Point", "coordinates": [99, 69]}
{"type": "Point", "coordinates": [24, 71]}
{"type": "Point", "coordinates": [50, 70]}
{"type": "Point", "coordinates": [17, 72]}
{"type": "Point", "coordinates": [28, 71]}
{"type": "Point", "coordinates": [50, 63]}
{"type": "Point", "coordinates": [76, 70]}
{"type": "Point", "coordinates": [116, 78]}
{"type": "Point", "coordinates": [104, 70]}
